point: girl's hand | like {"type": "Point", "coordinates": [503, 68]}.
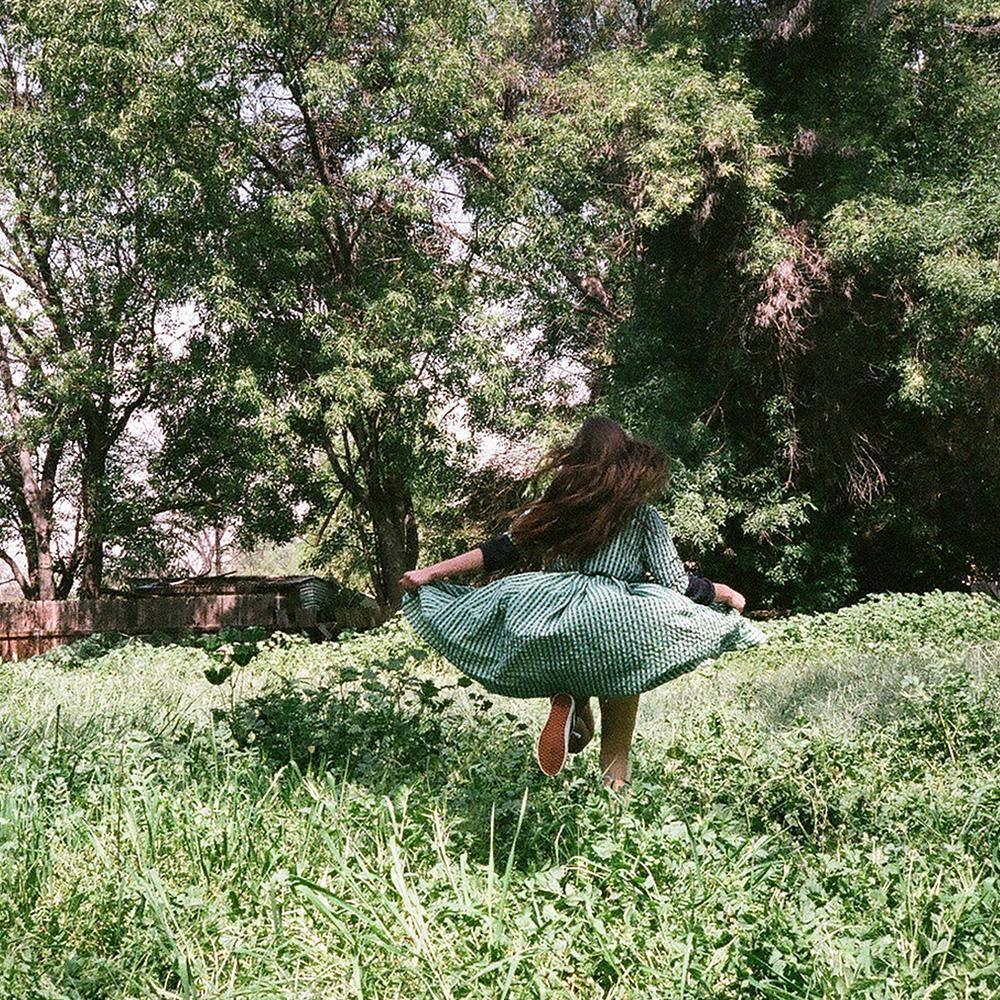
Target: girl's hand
{"type": "Point", "coordinates": [726, 595]}
{"type": "Point", "coordinates": [414, 578]}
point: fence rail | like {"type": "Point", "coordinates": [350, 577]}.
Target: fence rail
{"type": "Point", "coordinates": [31, 627]}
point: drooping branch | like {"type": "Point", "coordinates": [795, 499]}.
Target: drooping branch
{"type": "Point", "coordinates": [345, 476]}
{"type": "Point", "coordinates": [19, 578]}
{"type": "Point", "coordinates": [993, 28]}
{"type": "Point", "coordinates": [28, 481]}
{"type": "Point", "coordinates": [340, 245]}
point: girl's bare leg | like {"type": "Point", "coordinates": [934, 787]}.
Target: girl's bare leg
{"type": "Point", "coordinates": [584, 724]}
{"type": "Point", "coordinates": [617, 727]}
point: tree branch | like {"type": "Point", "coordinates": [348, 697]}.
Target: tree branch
{"type": "Point", "coordinates": [19, 577]}
{"type": "Point", "coordinates": [974, 29]}
{"type": "Point", "coordinates": [348, 482]}
{"type": "Point", "coordinates": [317, 148]}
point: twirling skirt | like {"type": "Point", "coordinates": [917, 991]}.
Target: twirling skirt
{"type": "Point", "coordinates": [532, 635]}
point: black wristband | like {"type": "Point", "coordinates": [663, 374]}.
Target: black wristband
{"type": "Point", "coordinates": [498, 552]}
{"type": "Point", "coordinates": [700, 590]}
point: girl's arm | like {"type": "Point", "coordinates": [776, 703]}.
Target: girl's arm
{"type": "Point", "coordinates": [465, 563]}
{"type": "Point", "coordinates": [489, 555]}
{"type": "Point", "coordinates": [668, 570]}
{"type": "Point", "coordinates": [726, 595]}
{"type": "Point", "coordinates": [703, 591]}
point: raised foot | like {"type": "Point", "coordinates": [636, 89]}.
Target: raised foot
{"type": "Point", "coordinates": [553, 740]}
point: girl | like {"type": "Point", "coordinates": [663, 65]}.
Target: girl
{"type": "Point", "coordinates": [612, 615]}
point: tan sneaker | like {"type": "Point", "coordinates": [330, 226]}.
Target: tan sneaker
{"type": "Point", "coordinates": [553, 740]}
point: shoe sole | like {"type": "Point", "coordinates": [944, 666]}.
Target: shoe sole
{"type": "Point", "coordinates": [553, 740]}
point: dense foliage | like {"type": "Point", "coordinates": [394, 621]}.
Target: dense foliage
{"type": "Point", "coordinates": [818, 818]}
{"type": "Point", "coordinates": [778, 228]}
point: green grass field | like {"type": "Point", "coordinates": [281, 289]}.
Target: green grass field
{"type": "Point", "coordinates": [818, 818]}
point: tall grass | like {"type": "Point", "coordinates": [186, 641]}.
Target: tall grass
{"type": "Point", "coordinates": [819, 819]}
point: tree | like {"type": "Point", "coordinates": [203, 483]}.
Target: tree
{"type": "Point", "coordinates": [96, 209]}
{"type": "Point", "coordinates": [341, 282]}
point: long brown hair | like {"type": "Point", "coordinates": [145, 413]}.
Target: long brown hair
{"type": "Point", "coordinates": [597, 481]}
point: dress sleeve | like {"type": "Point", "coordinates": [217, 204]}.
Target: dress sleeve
{"type": "Point", "coordinates": [660, 555]}
{"type": "Point", "coordinates": [499, 552]}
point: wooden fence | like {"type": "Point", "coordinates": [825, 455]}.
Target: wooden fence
{"type": "Point", "coordinates": [31, 627]}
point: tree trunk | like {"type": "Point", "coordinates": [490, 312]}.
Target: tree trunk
{"type": "Point", "coordinates": [36, 538]}
{"type": "Point", "coordinates": [395, 541]}
{"type": "Point", "coordinates": [381, 502]}
{"type": "Point", "coordinates": [46, 578]}
{"type": "Point", "coordinates": [92, 490]}
{"type": "Point", "coordinates": [35, 495]}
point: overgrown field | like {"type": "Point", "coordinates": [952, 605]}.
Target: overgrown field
{"type": "Point", "coordinates": [818, 818]}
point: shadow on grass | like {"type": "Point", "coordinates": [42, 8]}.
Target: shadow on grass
{"type": "Point", "coordinates": [386, 735]}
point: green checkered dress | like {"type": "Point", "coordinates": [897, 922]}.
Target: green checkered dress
{"type": "Point", "coordinates": [595, 626]}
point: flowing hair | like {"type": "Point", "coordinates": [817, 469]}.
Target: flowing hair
{"type": "Point", "coordinates": [597, 481]}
